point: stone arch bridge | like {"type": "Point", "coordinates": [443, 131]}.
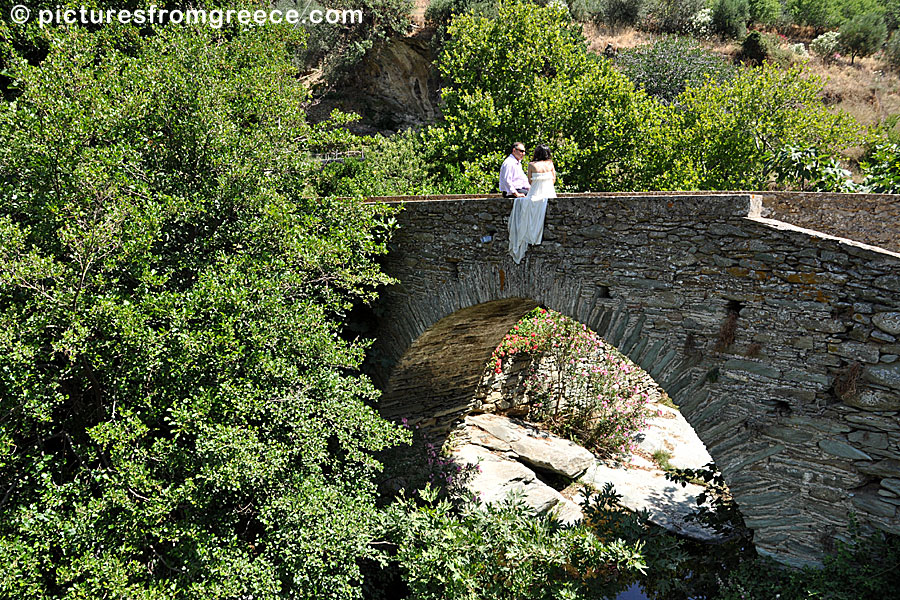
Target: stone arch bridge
{"type": "Point", "coordinates": [780, 344]}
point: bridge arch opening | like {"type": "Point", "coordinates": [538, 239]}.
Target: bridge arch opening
{"type": "Point", "coordinates": [447, 374]}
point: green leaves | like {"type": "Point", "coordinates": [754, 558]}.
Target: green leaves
{"type": "Point", "coordinates": [503, 551]}
{"type": "Point", "coordinates": [180, 416]}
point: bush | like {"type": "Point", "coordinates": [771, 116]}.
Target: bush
{"type": "Point", "coordinates": [667, 67]}
{"type": "Point", "coordinates": [673, 16]}
{"type": "Point", "coordinates": [810, 170]}
{"type": "Point", "coordinates": [882, 169]}
{"type": "Point", "coordinates": [620, 13]}
{"type": "Point", "coordinates": [392, 166]}
{"type": "Point", "coordinates": [891, 11]}
{"type": "Point", "coordinates": [729, 18]}
{"type": "Point", "coordinates": [861, 567]}
{"type": "Point", "coordinates": [729, 130]}
{"type": "Point", "coordinates": [593, 398]}
{"type": "Point", "coordinates": [702, 24]}
{"type": "Point", "coordinates": [765, 12]}
{"type": "Point", "coordinates": [892, 51]}
{"type": "Point", "coordinates": [338, 48]}
{"type": "Point", "coordinates": [181, 418]}
{"type": "Point", "coordinates": [826, 45]}
{"type": "Point", "coordinates": [815, 13]}
{"type": "Point", "coordinates": [506, 552]}
{"type": "Point", "coordinates": [759, 47]}
{"type": "Point", "coordinates": [799, 49]}
{"type": "Point", "coordinates": [862, 35]}
{"type": "Point", "coordinates": [441, 12]}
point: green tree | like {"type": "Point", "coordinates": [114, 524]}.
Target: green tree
{"type": "Point", "coordinates": [180, 418]}
{"type": "Point", "coordinates": [892, 52]}
{"type": "Point", "coordinates": [863, 35]}
{"type": "Point", "coordinates": [815, 13]}
{"type": "Point", "coordinates": [766, 12]}
{"type": "Point", "coordinates": [730, 18]}
{"type": "Point", "coordinates": [527, 76]}
{"type": "Point", "coordinates": [729, 129]}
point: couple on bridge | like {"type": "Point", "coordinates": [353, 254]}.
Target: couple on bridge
{"type": "Point", "coordinates": [531, 192]}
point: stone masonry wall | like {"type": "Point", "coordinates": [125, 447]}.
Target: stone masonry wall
{"type": "Point", "coordinates": [780, 345]}
{"type": "Point", "coordinates": [870, 218]}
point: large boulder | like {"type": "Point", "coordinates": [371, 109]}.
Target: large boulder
{"type": "Point", "coordinates": [667, 503]}
{"type": "Point", "coordinates": [498, 477]}
{"type": "Point", "coordinates": [529, 444]}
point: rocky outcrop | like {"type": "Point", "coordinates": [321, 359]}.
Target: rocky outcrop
{"type": "Point", "coordinates": [499, 476]}
{"type": "Point", "coordinates": [507, 452]}
{"type": "Point", "coordinates": [394, 85]}
{"type": "Point", "coordinates": [529, 444]}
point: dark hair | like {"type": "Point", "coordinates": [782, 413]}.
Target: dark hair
{"type": "Point", "coordinates": [542, 152]}
{"type": "Point", "coordinates": [513, 146]}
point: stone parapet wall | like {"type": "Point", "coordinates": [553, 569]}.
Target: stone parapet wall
{"type": "Point", "coordinates": [870, 218]}
{"type": "Point", "coordinates": [779, 344]}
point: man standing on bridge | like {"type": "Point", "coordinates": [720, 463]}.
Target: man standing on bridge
{"type": "Point", "coordinates": [513, 182]}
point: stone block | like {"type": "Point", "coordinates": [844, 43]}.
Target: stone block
{"type": "Point", "coordinates": [874, 400]}
{"type": "Point", "coordinates": [887, 375]}
{"type": "Point", "coordinates": [871, 504]}
{"type": "Point", "coordinates": [869, 438]}
{"type": "Point", "coordinates": [877, 422]}
{"type": "Point", "coordinates": [892, 484]}
{"type": "Point", "coordinates": [888, 468]}
{"type": "Point", "coordinates": [843, 450]}
{"type": "Point", "coordinates": [791, 435]}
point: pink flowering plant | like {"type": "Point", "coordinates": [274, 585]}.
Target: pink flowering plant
{"type": "Point", "coordinates": [577, 385]}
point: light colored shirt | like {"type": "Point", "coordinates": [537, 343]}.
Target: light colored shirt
{"type": "Point", "coordinates": [512, 177]}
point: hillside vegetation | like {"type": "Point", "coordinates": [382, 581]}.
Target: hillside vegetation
{"type": "Point", "coordinates": [183, 412]}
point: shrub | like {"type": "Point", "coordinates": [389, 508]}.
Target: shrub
{"type": "Point", "coordinates": [702, 24]}
{"type": "Point", "coordinates": [860, 567]}
{"type": "Point", "coordinates": [765, 12]}
{"type": "Point", "coordinates": [892, 51]}
{"type": "Point", "coordinates": [799, 49]}
{"type": "Point", "coordinates": [826, 45]}
{"type": "Point", "coordinates": [729, 130]}
{"type": "Point", "coordinates": [667, 67]}
{"type": "Point", "coordinates": [506, 552]}
{"type": "Point", "coordinates": [592, 397]}
{"type": "Point", "coordinates": [730, 18]}
{"type": "Point", "coordinates": [862, 35]}
{"type": "Point", "coordinates": [882, 169]}
{"type": "Point", "coordinates": [810, 170]}
{"type": "Point", "coordinates": [673, 16]}
{"type": "Point", "coordinates": [815, 13]}
{"type": "Point", "coordinates": [892, 14]}
{"type": "Point", "coordinates": [392, 166]}
{"type": "Point", "coordinates": [338, 48]}
{"type": "Point", "coordinates": [620, 13]}
{"type": "Point", "coordinates": [440, 12]}
{"type": "Point", "coordinates": [759, 47]}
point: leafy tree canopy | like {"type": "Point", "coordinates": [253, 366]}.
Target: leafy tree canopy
{"type": "Point", "coordinates": [179, 417]}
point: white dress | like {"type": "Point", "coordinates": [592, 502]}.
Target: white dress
{"type": "Point", "coordinates": [526, 223]}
